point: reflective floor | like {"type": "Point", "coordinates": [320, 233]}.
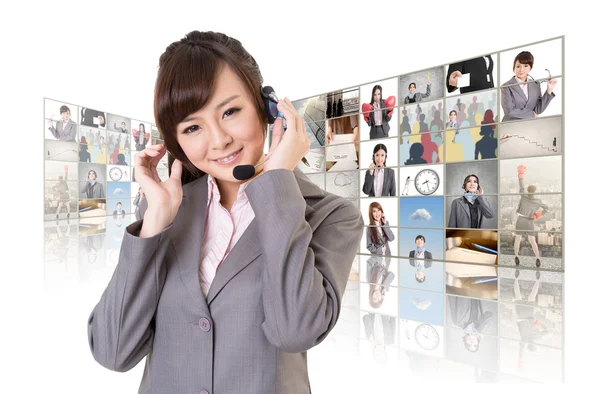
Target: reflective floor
{"type": "Point", "coordinates": [447, 322]}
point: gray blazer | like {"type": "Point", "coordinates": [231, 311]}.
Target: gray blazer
{"type": "Point", "coordinates": [64, 132]}
{"type": "Point", "coordinates": [419, 96]}
{"type": "Point", "coordinates": [276, 295]}
{"type": "Point", "coordinates": [375, 247]}
{"type": "Point", "coordinates": [517, 106]}
{"type": "Point", "coordinates": [460, 214]}
{"type": "Point", "coordinates": [389, 183]}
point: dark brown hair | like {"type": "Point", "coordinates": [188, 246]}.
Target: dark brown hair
{"type": "Point", "coordinates": [186, 78]}
{"type": "Point", "coordinates": [372, 221]}
{"type": "Point", "coordinates": [524, 58]}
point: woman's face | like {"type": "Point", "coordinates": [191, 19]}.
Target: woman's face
{"type": "Point", "coordinates": [380, 157]}
{"type": "Point", "coordinates": [377, 294]}
{"type": "Point", "coordinates": [377, 214]}
{"type": "Point", "coordinates": [377, 95]}
{"type": "Point", "coordinates": [226, 133]}
{"type": "Point", "coordinates": [420, 243]}
{"type": "Point", "coordinates": [412, 88]}
{"type": "Point", "coordinates": [471, 185]}
{"type": "Point", "coordinates": [142, 128]}
{"type": "Point", "coordinates": [66, 116]}
{"type": "Point", "coordinates": [92, 176]}
{"type": "Point", "coordinates": [522, 70]}
{"type": "Point", "coordinates": [452, 116]}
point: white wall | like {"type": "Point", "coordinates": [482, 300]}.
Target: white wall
{"type": "Point", "coordinates": [303, 48]}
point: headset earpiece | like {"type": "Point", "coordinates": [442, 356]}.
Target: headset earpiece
{"type": "Point", "coordinates": [270, 100]}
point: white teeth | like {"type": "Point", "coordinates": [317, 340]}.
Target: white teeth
{"type": "Point", "coordinates": [228, 158]}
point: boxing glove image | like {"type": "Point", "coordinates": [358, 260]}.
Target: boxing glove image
{"type": "Point", "coordinates": [390, 102]}
{"type": "Point", "coordinates": [366, 109]}
{"type": "Point", "coordinates": [521, 170]}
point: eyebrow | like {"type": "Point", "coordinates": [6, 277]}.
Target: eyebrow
{"type": "Point", "coordinates": [219, 106]}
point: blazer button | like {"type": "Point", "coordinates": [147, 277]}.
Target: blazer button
{"type": "Point", "coordinates": [204, 326]}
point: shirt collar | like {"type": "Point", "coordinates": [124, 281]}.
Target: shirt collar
{"type": "Point", "coordinates": [213, 188]}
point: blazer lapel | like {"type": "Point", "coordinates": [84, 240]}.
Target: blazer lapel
{"type": "Point", "coordinates": [464, 206]}
{"type": "Point", "coordinates": [187, 243]}
{"type": "Point", "coordinates": [245, 251]}
{"type": "Point", "coordinates": [517, 88]}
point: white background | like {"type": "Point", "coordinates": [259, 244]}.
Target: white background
{"type": "Point", "coordinates": [43, 333]}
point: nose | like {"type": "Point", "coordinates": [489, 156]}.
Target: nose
{"type": "Point", "coordinates": [218, 136]}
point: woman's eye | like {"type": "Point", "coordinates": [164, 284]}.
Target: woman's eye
{"type": "Point", "coordinates": [191, 129]}
{"type": "Point", "coordinates": [230, 112]}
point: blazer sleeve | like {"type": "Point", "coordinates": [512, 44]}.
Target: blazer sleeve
{"type": "Point", "coordinates": [371, 247]}
{"type": "Point", "coordinates": [120, 328]}
{"type": "Point", "coordinates": [73, 132]}
{"type": "Point", "coordinates": [388, 231]}
{"type": "Point", "coordinates": [306, 268]}
{"type": "Point", "coordinates": [486, 207]}
{"type": "Point", "coordinates": [543, 101]}
{"type": "Point", "coordinates": [452, 218]}
{"type": "Point", "coordinates": [54, 131]}
{"type": "Point", "coordinates": [427, 92]}
{"type": "Point", "coordinates": [406, 100]}
{"type": "Point", "coordinates": [392, 183]}
{"type": "Point", "coordinates": [511, 112]}
{"type": "Point", "coordinates": [428, 255]}
{"type": "Point", "coordinates": [369, 184]}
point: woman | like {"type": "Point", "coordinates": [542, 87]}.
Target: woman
{"type": "Point", "coordinates": [379, 180]}
{"type": "Point", "coordinates": [222, 273]}
{"type": "Point", "coordinates": [469, 210]}
{"type": "Point", "coordinates": [378, 113]}
{"type": "Point", "coordinates": [379, 278]}
{"type": "Point", "coordinates": [62, 193]}
{"type": "Point", "coordinates": [527, 213]}
{"type": "Point", "coordinates": [522, 99]}
{"type": "Point", "coordinates": [140, 204]}
{"type": "Point", "coordinates": [93, 188]}
{"type": "Point", "coordinates": [140, 138]}
{"type": "Point", "coordinates": [416, 97]}
{"type": "Point", "coordinates": [378, 236]}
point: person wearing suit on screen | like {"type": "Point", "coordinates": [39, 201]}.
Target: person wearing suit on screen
{"type": "Point", "coordinates": [378, 113]}
{"type": "Point", "coordinates": [378, 233]}
{"type": "Point", "coordinates": [418, 96]}
{"type": "Point", "coordinates": [66, 129]}
{"type": "Point", "coordinates": [469, 210]}
{"type": "Point", "coordinates": [420, 252]}
{"type": "Point", "coordinates": [469, 315]}
{"type": "Point", "coordinates": [93, 188]}
{"type": "Point", "coordinates": [379, 180]}
{"type": "Point", "coordinates": [521, 95]}
{"type": "Point", "coordinates": [92, 118]}
{"type": "Point", "coordinates": [528, 212]}
{"type": "Point", "coordinates": [480, 70]}
{"type": "Point", "coordinates": [380, 330]}
{"type": "Point", "coordinates": [222, 272]}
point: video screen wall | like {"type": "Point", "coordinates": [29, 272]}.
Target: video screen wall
{"type": "Point", "coordinates": [466, 157]}
{"type": "Point", "coordinates": [458, 172]}
{"type": "Point", "coordinates": [89, 161]}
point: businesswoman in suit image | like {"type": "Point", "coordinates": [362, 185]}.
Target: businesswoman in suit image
{"type": "Point", "coordinates": [469, 210]}
{"type": "Point", "coordinates": [378, 236]}
{"type": "Point", "coordinates": [522, 99]}
{"type": "Point", "coordinates": [379, 180]}
{"type": "Point", "coordinates": [224, 285]}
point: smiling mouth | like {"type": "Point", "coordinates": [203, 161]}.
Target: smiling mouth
{"type": "Point", "coordinates": [228, 159]}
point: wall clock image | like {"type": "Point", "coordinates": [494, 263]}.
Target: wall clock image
{"type": "Point", "coordinates": [115, 174]}
{"type": "Point", "coordinates": [427, 181]}
{"type": "Point", "coordinates": [427, 337]}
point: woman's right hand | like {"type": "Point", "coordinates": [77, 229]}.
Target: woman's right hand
{"type": "Point", "coordinates": [163, 198]}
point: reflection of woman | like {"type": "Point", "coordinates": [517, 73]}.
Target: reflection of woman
{"type": "Point", "coordinates": [378, 237]}
{"type": "Point", "coordinates": [62, 193]}
{"type": "Point", "coordinates": [93, 188]}
{"type": "Point", "coordinates": [469, 210]}
{"type": "Point", "coordinates": [378, 113]}
{"type": "Point", "coordinates": [140, 138]}
{"type": "Point", "coordinates": [381, 331]}
{"type": "Point", "coordinates": [468, 314]}
{"type": "Point", "coordinates": [522, 99]}
{"type": "Point", "coordinates": [379, 278]}
{"type": "Point", "coordinates": [379, 180]}
{"type": "Point", "coordinates": [527, 213]}
{"type": "Point", "coordinates": [84, 155]}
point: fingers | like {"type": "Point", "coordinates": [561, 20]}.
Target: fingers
{"type": "Point", "coordinates": [176, 170]}
{"type": "Point", "coordinates": [277, 133]}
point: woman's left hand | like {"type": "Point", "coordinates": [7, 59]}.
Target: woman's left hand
{"type": "Point", "coordinates": [287, 149]}
{"type": "Point", "coordinates": [479, 191]}
{"type": "Point", "coordinates": [551, 84]}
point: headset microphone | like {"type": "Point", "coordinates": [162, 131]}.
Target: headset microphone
{"type": "Point", "coordinates": [247, 171]}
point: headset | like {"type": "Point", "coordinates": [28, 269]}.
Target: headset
{"type": "Point", "coordinates": [247, 171]}
{"type": "Point", "coordinates": [375, 150]}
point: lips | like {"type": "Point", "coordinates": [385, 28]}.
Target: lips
{"type": "Point", "coordinates": [229, 158]}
